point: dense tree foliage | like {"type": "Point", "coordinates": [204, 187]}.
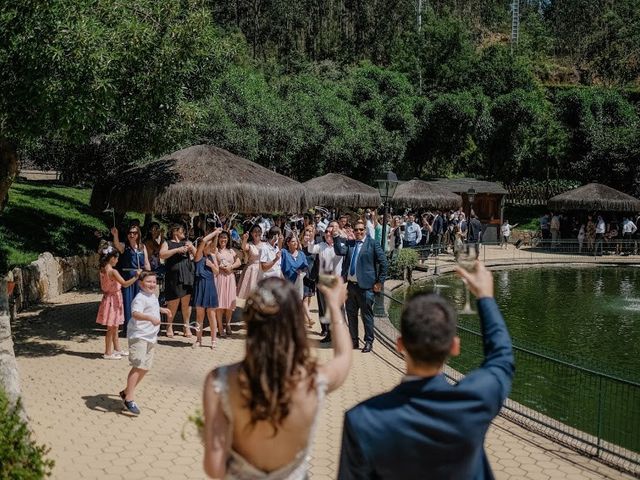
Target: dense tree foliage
{"type": "Point", "coordinates": [327, 85]}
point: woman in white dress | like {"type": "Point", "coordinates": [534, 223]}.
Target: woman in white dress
{"type": "Point", "coordinates": [260, 414]}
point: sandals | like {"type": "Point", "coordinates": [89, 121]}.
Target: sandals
{"type": "Point", "coordinates": [196, 344]}
{"type": "Point", "coordinates": [169, 332]}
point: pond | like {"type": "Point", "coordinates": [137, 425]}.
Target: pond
{"type": "Point", "coordinates": [586, 316]}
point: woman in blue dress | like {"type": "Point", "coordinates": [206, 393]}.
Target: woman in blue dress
{"type": "Point", "coordinates": [294, 263]}
{"type": "Point", "coordinates": [133, 257]}
{"type": "Point", "coordinates": [205, 295]}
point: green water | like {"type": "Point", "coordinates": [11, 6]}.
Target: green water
{"type": "Point", "coordinates": [584, 316]}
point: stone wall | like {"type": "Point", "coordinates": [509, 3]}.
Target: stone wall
{"type": "Point", "coordinates": [49, 276]}
{"type": "Point", "coordinates": [9, 376]}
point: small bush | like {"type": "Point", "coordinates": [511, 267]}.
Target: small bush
{"type": "Point", "coordinates": [405, 259]}
{"type": "Point", "coordinates": [20, 457]}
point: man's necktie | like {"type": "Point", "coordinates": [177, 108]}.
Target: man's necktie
{"type": "Point", "coordinates": [354, 259]}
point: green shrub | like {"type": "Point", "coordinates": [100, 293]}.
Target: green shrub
{"type": "Point", "coordinates": [405, 259]}
{"type": "Point", "coordinates": [20, 457]}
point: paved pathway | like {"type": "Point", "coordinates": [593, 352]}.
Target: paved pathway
{"type": "Point", "coordinates": [71, 396]}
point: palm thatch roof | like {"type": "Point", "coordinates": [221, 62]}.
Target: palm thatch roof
{"type": "Point", "coordinates": [336, 190]}
{"type": "Point", "coordinates": [201, 178]}
{"type": "Point", "coordinates": [595, 197]}
{"type": "Point", "coordinates": [462, 185]}
{"type": "Point", "coordinates": [420, 194]}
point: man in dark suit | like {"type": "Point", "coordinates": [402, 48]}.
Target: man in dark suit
{"type": "Point", "coordinates": [427, 427]}
{"type": "Point", "coordinates": [364, 269]}
{"type": "Point", "coordinates": [474, 236]}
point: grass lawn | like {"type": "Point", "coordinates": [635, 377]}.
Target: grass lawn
{"type": "Point", "coordinates": [41, 217]}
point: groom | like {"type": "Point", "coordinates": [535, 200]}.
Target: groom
{"type": "Point", "coordinates": [426, 427]}
{"type": "Point", "coordinates": [364, 269]}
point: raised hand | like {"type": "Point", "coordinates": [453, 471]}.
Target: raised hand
{"type": "Point", "coordinates": [479, 280]}
{"type": "Point", "coordinates": [335, 295]}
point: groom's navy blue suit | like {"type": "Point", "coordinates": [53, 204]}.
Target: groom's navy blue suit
{"type": "Point", "coordinates": [427, 428]}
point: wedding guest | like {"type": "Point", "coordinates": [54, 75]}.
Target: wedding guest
{"type": "Point", "coordinates": [133, 257]}
{"type": "Point", "coordinates": [251, 244]}
{"type": "Point", "coordinates": [270, 254]}
{"type": "Point", "coordinates": [294, 263]}
{"type": "Point", "coordinates": [153, 243]}
{"type": "Point", "coordinates": [228, 261]}
{"type": "Point", "coordinates": [309, 280]}
{"type": "Point", "coordinates": [176, 252]}
{"type": "Point", "coordinates": [328, 263]}
{"type": "Point", "coordinates": [205, 293]}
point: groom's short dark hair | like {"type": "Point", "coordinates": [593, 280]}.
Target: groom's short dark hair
{"type": "Point", "coordinates": [428, 327]}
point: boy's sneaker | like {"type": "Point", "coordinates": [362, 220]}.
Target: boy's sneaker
{"type": "Point", "coordinates": [122, 353]}
{"type": "Point", "coordinates": [132, 407]}
{"type": "Point", "coordinates": [113, 356]}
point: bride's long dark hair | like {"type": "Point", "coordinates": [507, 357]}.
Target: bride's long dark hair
{"type": "Point", "coordinates": [277, 355]}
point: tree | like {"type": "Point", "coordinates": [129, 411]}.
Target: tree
{"type": "Point", "coordinates": [115, 71]}
{"type": "Point", "coordinates": [448, 133]}
{"type": "Point", "coordinates": [526, 141]}
{"type": "Point", "coordinates": [604, 143]}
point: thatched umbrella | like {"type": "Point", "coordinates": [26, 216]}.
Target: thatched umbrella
{"type": "Point", "coordinates": [420, 194]}
{"type": "Point", "coordinates": [201, 178]}
{"type": "Point", "coordinates": [336, 190]}
{"type": "Point", "coordinates": [595, 197]}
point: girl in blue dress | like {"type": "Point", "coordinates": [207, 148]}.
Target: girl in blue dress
{"type": "Point", "coordinates": [133, 257]}
{"type": "Point", "coordinates": [205, 295]}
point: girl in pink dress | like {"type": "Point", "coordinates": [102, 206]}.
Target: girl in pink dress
{"type": "Point", "coordinates": [228, 261]}
{"type": "Point", "coordinates": [251, 274]}
{"type": "Point", "coordinates": [111, 310]}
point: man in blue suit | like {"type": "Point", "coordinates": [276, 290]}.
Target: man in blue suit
{"type": "Point", "coordinates": [364, 269]}
{"type": "Point", "coordinates": [427, 428]}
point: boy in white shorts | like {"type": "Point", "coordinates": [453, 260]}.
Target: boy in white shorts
{"type": "Point", "coordinates": [142, 333]}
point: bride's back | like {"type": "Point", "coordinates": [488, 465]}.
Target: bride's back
{"type": "Point", "coordinates": [261, 444]}
{"type": "Point", "coordinates": [260, 413]}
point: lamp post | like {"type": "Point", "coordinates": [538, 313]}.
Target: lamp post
{"type": "Point", "coordinates": [387, 188]}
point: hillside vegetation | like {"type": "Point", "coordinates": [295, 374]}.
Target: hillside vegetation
{"type": "Point", "coordinates": [312, 87]}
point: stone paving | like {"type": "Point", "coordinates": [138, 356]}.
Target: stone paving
{"type": "Point", "coordinates": [71, 395]}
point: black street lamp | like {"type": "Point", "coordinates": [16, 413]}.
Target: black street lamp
{"type": "Point", "coordinates": [387, 188]}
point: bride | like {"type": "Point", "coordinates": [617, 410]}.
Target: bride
{"type": "Point", "coordinates": [260, 414]}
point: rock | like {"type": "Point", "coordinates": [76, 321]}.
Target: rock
{"type": "Point", "coordinates": [18, 290]}
{"type": "Point", "coordinates": [92, 269]}
{"type": "Point", "coordinates": [33, 288]}
{"type": "Point", "coordinates": [71, 271]}
{"type": "Point", "coordinates": [50, 282]}
{"type": "Point", "coordinates": [49, 276]}
{"type": "Point", "coordinates": [9, 377]}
